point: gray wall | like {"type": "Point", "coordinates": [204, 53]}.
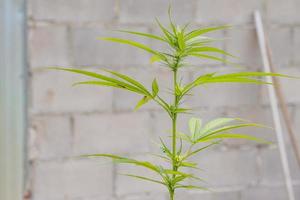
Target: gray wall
{"type": "Point", "coordinates": [67, 121]}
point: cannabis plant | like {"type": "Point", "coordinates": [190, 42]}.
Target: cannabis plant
{"type": "Point", "coordinates": [182, 43]}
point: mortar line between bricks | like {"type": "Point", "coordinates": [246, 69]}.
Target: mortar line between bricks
{"type": "Point", "coordinates": [137, 24]}
{"type": "Point", "coordinates": [130, 111]}
{"type": "Point", "coordinates": [37, 70]}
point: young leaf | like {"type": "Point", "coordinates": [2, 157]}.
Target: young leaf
{"type": "Point", "coordinates": [189, 154]}
{"type": "Point", "coordinates": [166, 150]}
{"type": "Point", "coordinates": [183, 110]}
{"type": "Point", "coordinates": [184, 137]}
{"type": "Point", "coordinates": [200, 41]}
{"type": "Point", "coordinates": [170, 20]}
{"type": "Point", "coordinates": [227, 128]}
{"type": "Point", "coordinates": [199, 32]}
{"type": "Point", "coordinates": [180, 39]}
{"type": "Point", "coordinates": [189, 165]}
{"type": "Point", "coordinates": [169, 36]}
{"type": "Point", "coordinates": [216, 123]}
{"type": "Point", "coordinates": [155, 88]}
{"type": "Point", "coordinates": [194, 126]}
{"type": "Point", "coordinates": [143, 101]}
{"type": "Point", "coordinates": [154, 59]}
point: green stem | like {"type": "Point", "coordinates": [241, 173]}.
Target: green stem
{"type": "Point", "coordinates": [174, 120]}
{"type": "Point", "coordinates": [172, 195]}
{"type": "Point", "coordinates": [174, 126]}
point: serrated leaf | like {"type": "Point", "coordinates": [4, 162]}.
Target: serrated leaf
{"type": "Point", "coordinates": [108, 84]}
{"type": "Point", "coordinates": [215, 124]}
{"type": "Point", "coordinates": [102, 83]}
{"type": "Point", "coordinates": [236, 136]}
{"type": "Point", "coordinates": [129, 80]}
{"type": "Point", "coordinates": [114, 81]}
{"type": "Point", "coordinates": [208, 49]}
{"type": "Point", "coordinates": [198, 32]}
{"type": "Point", "coordinates": [227, 128]}
{"type": "Point", "coordinates": [125, 160]}
{"type": "Point", "coordinates": [210, 57]}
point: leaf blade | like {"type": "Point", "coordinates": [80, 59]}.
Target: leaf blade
{"type": "Point", "coordinates": [144, 178]}
{"type": "Point", "coordinates": [131, 43]}
{"type": "Point", "coordinates": [155, 88]}
{"type": "Point", "coordinates": [148, 35]}
{"type": "Point", "coordinates": [199, 32]}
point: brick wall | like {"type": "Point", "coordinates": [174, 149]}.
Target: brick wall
{"type": "Point", "coordinates": [67, 121]}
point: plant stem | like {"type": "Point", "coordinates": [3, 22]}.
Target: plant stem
{"type": "Point", "coordinates": [174, 124]}
{"type": "Point", "coordinates": [172, 195]}
{"type": "Point", "coordinates": [174, 119]}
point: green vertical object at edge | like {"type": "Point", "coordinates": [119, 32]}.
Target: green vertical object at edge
{"type": "Point", "coordinates": [12, 98]}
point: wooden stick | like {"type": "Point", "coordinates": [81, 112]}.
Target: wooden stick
{"type": "Point", "coordinates": [284, 109]}
{"type": "Point", "coordinates": [274, 106]}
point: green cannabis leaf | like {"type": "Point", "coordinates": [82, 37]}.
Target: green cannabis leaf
{"type": "Point", "coordinates": [181, 45]}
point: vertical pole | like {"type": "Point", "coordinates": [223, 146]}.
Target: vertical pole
{"type": "Point", "coordinates": [12, 98]}
{"type": "Point", "coordinates": [274, 106]}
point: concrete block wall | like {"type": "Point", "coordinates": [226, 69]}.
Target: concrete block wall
{"type": "Point", "coordinates": [68, 121]}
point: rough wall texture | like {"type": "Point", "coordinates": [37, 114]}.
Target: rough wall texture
{"type": "Point", "coordinates": [67, 121]}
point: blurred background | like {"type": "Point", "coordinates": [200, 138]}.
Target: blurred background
{"type": "Point", "coordinates": [63, 121]}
